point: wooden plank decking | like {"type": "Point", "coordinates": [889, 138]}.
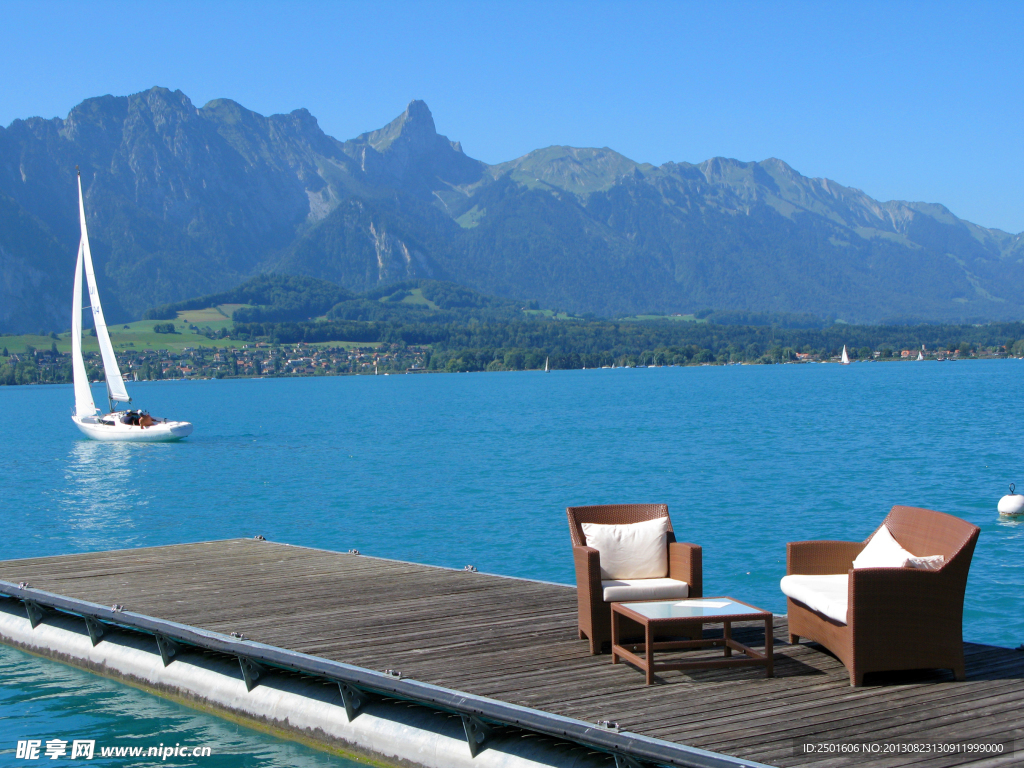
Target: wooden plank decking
{"type": "Point", "coordinates": [515, 641]}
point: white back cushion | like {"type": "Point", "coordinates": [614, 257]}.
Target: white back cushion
{"type": "Point", "coordinates": [633, 551]}
{"type": "Point", "coordinates": [882, 551]}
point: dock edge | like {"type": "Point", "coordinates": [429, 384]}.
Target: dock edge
{"type": "Point", "coordinates": [380, 715]}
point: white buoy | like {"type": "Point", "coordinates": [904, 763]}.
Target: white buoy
{"type": "Point", "coordinates": [1012, 505]}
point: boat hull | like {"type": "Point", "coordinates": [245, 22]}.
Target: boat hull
{"type": "Point", "coordinates": [161, 432]}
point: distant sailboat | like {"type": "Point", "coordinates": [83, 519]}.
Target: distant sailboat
{"type": "Point", "coordinates": [132, 426]}
{"type": "Point", "coordinates": [546, 366]}
{"type": "Point", "coordinates": [920, 355]}
{"type": "Point", "coordinates": [846, 357]}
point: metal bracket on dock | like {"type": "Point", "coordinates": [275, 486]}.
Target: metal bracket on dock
{"type": "Point", "coordinates": [477, 732]}
{"type": "Point", "coordinates": [95, 629]}
{"type": "Point", "coordinates": [35, 612]}
{"type": "Point", "coordinates": [251, 672]}
{"type": "Point", "coordinates": [167, 647]}
{"type": "Point", "coordinates": [353, 699]}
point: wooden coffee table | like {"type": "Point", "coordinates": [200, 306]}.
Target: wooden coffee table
{"type": "Point", "coordinates": [688, 617]}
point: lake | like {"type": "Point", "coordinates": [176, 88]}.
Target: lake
{"type": "Point", "coordinates": [477, 469]}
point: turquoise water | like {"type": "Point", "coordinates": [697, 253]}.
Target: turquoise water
{"type": "Point", "coordinates": [478, 469]}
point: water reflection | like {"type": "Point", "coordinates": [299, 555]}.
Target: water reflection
{"type": "Point", "coordinates": [104, 490]}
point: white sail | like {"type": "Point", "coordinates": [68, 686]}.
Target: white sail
{"type": "Point", "coordinates": [84, 405]}
{"type": "Point", "coordinates": [115, 384]}
{"type": "Point", "coordinates": [846, 357]}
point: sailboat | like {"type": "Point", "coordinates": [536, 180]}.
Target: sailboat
{"type": "Point", "coordinates": [546, 368]}
{"type": "Point", "coordinates": [920, 355]}
{"type": "Point", "coordinates": [846, 357]}
{"type": "Point", "coordinates": [131, 426]}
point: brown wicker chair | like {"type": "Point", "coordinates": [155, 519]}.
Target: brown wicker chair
{"type": "Point", "coordinates": [684, 564]}
{"type": "Point", "coordinates": [897, 618]}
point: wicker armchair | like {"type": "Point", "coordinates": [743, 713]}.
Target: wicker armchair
{"type": "Point", "coordinates": [896, 618]}
{"type": "Point", "coordinates": [684, 564]}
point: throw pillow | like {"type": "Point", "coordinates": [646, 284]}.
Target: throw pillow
{"type": "Point", "coordinates": [882, 551]}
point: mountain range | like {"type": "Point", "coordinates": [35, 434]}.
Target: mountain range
{"type": "Point", "coordinates": [183, 201]}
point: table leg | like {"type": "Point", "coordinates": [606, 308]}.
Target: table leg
{"type": "Point", "coordinates": [649, 655]}
{"type": "Point", "coordinates": [615, 636]}
{"type": "Point", "coordinates": [727, 636]}
{"type": "Point", "coordinates": [769, 645]}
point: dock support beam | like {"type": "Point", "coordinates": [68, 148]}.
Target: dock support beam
{"type": "Point", "coordinates": [34, 611]}
{"type": "Point", "coordinates": [168, 649]}
{"type": "Point", "coordinates": [624, 761]}
{"type": "Point", "coordinates": [477, 732]}
{"type": "Point", "coordinates": [353, 699]}
{"type": "Point", "coordinates": [95, 630]}
{"type": "Point", "coordinates": [251, 672]}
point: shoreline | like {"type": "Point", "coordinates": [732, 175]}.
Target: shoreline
{"type": "Point", "coordinates": [333, 374]}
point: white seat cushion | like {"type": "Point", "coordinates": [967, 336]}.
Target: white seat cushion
{"type": "Point", "coordinates": [630, 551]}
{"type": "Point", "coordinates": [824, 594]}
{"type": "Point", "coordinates": [624, 590]}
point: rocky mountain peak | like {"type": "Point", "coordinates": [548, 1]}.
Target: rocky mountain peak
{"type": "Point", "coordinates": [418, 113]}
{"type": "Point", "coordinates": [410, 148]}
{"type": "Point", "coordinates": [776, 166]}
{"type": "Point", "coordinates": [414, 127]}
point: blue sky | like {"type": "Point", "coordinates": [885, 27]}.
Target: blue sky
{"type": "Point", "coordinates": [912, 101]}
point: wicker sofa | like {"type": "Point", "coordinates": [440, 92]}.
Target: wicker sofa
{"type": "Point", "coordinates": [895, 618]}
{"type": "Point", "coordinates": [684, 565]}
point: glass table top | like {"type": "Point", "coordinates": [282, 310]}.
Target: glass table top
{"type": "Point", "coordinates": [691, 609]}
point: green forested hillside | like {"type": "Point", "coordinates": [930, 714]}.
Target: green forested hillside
{"type": "Point", "coordinates": [269, 298]}
{"type": "Point", "coordinates": [423, 325]}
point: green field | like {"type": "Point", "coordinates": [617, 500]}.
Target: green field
{"type": "Point", "coordinates": [139, 336]}
{"type": "Point", "coordinates": [215, 317]}
{"type": "Point", "coordinates": [550, 313]}
{"type": "Point", "coordinates": [417, 297]}
{"type": "Point", "coordinates": [680, 318]}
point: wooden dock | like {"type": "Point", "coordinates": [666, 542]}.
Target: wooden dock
{"type": "Point", "coordinates": [515, 641]}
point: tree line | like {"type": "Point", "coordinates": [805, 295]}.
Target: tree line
{"type": "Point", "coordinates": [591, 343]}
{"type": "Point", "coordinates": [481, 345]}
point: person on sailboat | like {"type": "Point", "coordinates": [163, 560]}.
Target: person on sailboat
{"type": "Point", "coordinates": [145, 420]}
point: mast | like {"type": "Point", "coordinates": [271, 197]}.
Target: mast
{"type": "Point", "coordinates": [116, 391]}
